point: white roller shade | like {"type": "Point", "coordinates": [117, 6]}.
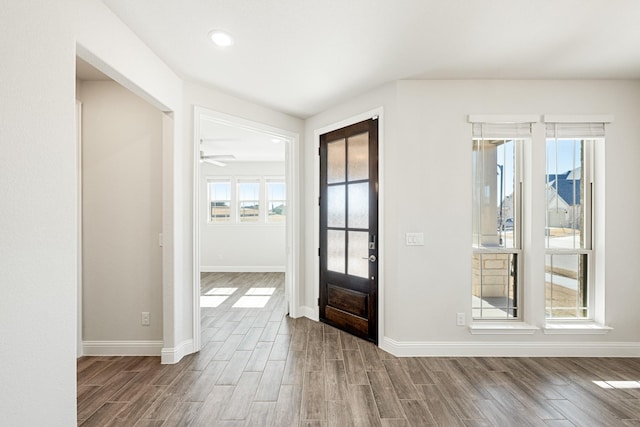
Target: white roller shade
{"type": "Point", "coordinates": [501, 130]}
{"type": "Point", "coordinates": [575, 130]}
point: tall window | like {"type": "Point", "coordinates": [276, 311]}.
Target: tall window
{"type": "Point", "coordinates": [569, 231]}
{"type": "Point", "coordinates": [276, 200]}
{"type": "Point", "coordinates": [219, 200]}
{"type": "Point", "coordinates": [249, 200]}
{"type": "Point", "coordinates": [497, 246]}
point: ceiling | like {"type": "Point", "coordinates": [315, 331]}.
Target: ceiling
{"type": "Point", "coordinates": [245, 145]}
{"type": "Point", "coordinates": [302, 57]}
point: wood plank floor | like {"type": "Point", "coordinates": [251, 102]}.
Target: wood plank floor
{"type": "Point", "coordinates": [258, 367]}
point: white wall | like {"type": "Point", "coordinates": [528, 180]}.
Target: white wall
{"type": "Point", "coordinates": [240, 247]}
{"type": "Point", "coordinates": [385, 97]}
{"type": "Point", "coordinates": [427, 161]}
{"type": "Point", "coordinates": [38, 169]}
{"type": "Point", "coordinates": [38, 215]}
{"type": "Point", "coordinates": [108, 44]}
{"type": "Point", "coordinates": [122, 215]}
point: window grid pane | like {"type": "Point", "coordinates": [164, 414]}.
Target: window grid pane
{"type": "Point", "coordinates": [248, 190]}
{"type": "Point", "coordinates": [495, 194]}
{"type": "Point", "coordinates": [495, 286]}
{"type": "Point", "coordinates": [249, 200]}
{"type": "Point", "coordinates": [277, 211]}
{"type": "Point", "coordinates": [219, 201]}
{"type": "Point", "coordinates": [276, 201]}
{"type": "Point", "coordinates": [249, 211]}
{"type": "Point", "coordinates": [566, 194]}
{"type": "Point", "coordinates": [566, 286]}
{"type": "Point", "coordinates": [220, 211]}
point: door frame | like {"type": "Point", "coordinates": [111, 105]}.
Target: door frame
{"type": "Point", "coordinates": [379, 111]}
{"type": "Point", "coordinates": [292, 239]}
{"type": "Point", "coordinates": [79, 343]}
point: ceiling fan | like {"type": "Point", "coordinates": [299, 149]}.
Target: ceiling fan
{"type": "Point", "coordinates": [214, 159]}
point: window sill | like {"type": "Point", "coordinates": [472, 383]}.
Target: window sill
{"type": "Point", "coordinates": [502, 328]}
{"type": "Point", "coordinates": [567, 328]}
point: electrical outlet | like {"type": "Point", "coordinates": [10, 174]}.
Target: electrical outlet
{"type": "Point", "coordinates": [460, 319]}
{"type": "Point", "coordinates": [145, 318]}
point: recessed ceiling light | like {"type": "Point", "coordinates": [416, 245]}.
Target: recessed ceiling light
{"type": "Point", "coordinates": [221, 38]}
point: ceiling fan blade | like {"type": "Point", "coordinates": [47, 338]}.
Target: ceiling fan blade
{"type": "Point", "coordinates": [217, 156]}
{"type": "Point", "coordinates": [213, 162]}
{"type": "Point", "coordinates": [218, 140]}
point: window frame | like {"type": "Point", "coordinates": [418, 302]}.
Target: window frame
{"type": "Point", "coordinates": [588, 173]}
{"type": "Point", "coordinates": [234, 214]}
{"type": "Point", "coordinates": [274, 180]}
{"type": "Point", "coordinates": [517, 249]}
{"type": "Point", "coordinates": [249, 180]}
{"type": "Point", "coordinates": [219, 179]}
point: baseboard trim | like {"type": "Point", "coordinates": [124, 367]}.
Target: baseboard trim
{"type": "Point", "coordinates": [309, 312]}
{"type": "Point", "coordinates": [242, 269]}
{"type": "Point", "coordinates": [121, 348]}
{"type": "Point", "coordinates": [169, 356]}
{"type": "Point", "coordinates": [510, 349]}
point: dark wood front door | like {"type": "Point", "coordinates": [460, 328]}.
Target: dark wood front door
{"type": "Point", "coordinates": [349, 229]}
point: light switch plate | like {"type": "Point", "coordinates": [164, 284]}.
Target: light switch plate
{"type": "Point", "coordinates": [415, 239]}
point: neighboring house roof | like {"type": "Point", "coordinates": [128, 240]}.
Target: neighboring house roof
{"type": "Point", "coordinates": [566, 186]}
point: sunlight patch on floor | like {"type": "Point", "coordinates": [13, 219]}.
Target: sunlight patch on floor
{"type": "Point", "coordinates": [617, 384]}
{"type": "Point", "coordinates": [252, 301]}
{"type": "Point", "coordinates": [260, 291]}
{"type": "Point", "coordinates": [212, 301]}
{"type": "Point", "coordinates": [221, 291]}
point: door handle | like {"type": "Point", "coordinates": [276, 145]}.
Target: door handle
{"type": "Point", "coordinates": [371, 258]}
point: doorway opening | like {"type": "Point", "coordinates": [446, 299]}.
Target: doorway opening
{"type": "Point", "coordinates": [119, 218]}
{"type": "Point", "coordinates": [244, 219]}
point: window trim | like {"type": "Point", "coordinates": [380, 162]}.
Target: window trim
{"type": "Point", "coordinates": [518, 197]}
{"type": "Point", "coordinates": [533, 246]}
{"type": "Point", "coordinates": [267, 199]}
{"type": "Point", "coordinates": [249, 179]}
{"type": "Point", "coordinates": [598, 322]}
{"type": "Point", "coordinates": [589, 231]}
{"type": "Point", "coordinates": [213, 179]}
{"type": "Point", "coordinates": [234, 217]}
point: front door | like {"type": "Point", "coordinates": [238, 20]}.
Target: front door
{"type": "Point", "coordinates": [349, 229]}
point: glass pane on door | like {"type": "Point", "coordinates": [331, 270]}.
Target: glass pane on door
{"type": "Point", "coordinates": [359, 205]}
{"type": "Point", "coordinates": [336, 161]}
{"type": "Point", "coordinates": [336, 205]}
{"type": "Point", "coordinates": [358, 254]}
{"type": "Point", "coordinates": [335, 250]}
{"type": "Point", "coordinates": [359, 157]}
